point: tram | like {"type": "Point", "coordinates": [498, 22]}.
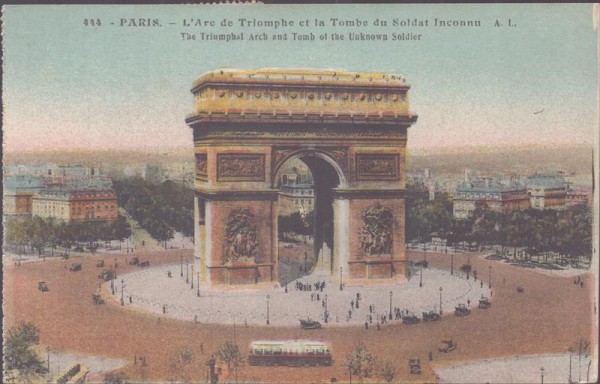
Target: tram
{"type": "Point", "coordinates": [293, 353]}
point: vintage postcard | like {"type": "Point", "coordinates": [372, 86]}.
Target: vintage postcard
{"type": "Point", "coordinates": [252, 193]}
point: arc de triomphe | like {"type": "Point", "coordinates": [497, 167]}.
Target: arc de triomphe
{"type": "Point", "coordinates": [349, 128]}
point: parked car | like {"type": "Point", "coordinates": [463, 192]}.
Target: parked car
{"type": "Point", "coordinates": [431, 316]}
{"type": "Point", "coordinates": [42, 286]}
{"type": "Point", "coordinates": [75, 267]}
{"type": "Point", "coordinates": [462, 310]}
{"type": "Point", "coordinates": [447, 345]}
{"type": "Point", "coordinates": [310, 324]}
{"type": "Point", "coordinates": [484, 303]}
{"type": "Point", "coordinates": [100, 263]}
{"type": "Point", "coordinates": [410, 319]}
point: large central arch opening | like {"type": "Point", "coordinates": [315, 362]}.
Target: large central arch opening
{"type": "Point", "coordinates": [306, 215]}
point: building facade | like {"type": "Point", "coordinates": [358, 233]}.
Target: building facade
{"type": "Point", "coordinates": [498, 197]}
{"type": "Point", "coordinates": [547, 191]}
{"type": "Point", "coordinates": [93, 204]}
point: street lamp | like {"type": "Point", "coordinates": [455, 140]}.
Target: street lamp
{"type": "Point", "coordinates": [390, 316]}
{"type": "Point", "coordinates": [192, 287]}
{"type": "Point", "coordinates": [490, 281]}
{"type": "Point", "coordinates": [341, 278]}
{"type": "Point", "coordinates": [425, 252]}
{"type": "Point", "coordinates": [181, 266]}
{"type": "Point", "coordinates": [286, 284]}
{"type": "Point", "coordinates": [452, 264]}
{"type": "Point", "coordinates": [421, 277]}
{"type": "Point", "coordinates": [268, 297]}
{"type": "Point", "coordinates": [122, 287]}
{"type": "Point", "coordinates": [542, 374]}
{"type": "Point", "coordinates": [187, 271]}
{"type": "Point", "coordinates": [198, 293]}
{"type": "Point", "coordinates": [440, 301]}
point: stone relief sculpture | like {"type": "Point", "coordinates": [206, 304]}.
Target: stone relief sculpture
{"type": "Point", "coordinates": [241, 243]}
{"type": "Point", "coordinates": [240, 167]}
{"type": "Point", "coordinates": [201, 165]}
{"type": "Point", "coordinates": [376, 236]}
{"type": "Point", "coordinates": [377, 167]}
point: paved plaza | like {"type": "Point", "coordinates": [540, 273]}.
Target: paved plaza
{"type": "Point", "coordinates": [522, 369]}
{"type": "Point", "coordinates": [152, 290]}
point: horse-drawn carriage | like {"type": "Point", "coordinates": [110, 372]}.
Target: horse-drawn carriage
{"type": "Point", "coordinates": [310, 324]}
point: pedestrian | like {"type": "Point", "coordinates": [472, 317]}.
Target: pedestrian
{"type": "Point", "coordinates": [352, 304]}
{"type": "Point", "coordinates": [164, 308]}
{"type": "Point", "coordinates": [430, 356]}
{"type": "Point", "coordinates": [366, 325]}
{"type": "Point", "coordinates": [130, 300]}
{"type": "Point", "coordinates": [318, 297]}
{"type": "Point", "coordinates": [195, 319]}
{"type": "Point", "coordinates": [202, 348]}
{"type": "Point", "coordinates": [581, 284]}
{"type": "Point", "coordinates": [378, 326]}
{"type": "Point", "coordinates": [481, 284]}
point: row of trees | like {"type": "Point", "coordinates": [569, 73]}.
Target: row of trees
{"type": "Point", "coordinates": [296, 224]}
{"type": "Point", "coordinates": [160, 209]}
{"type": "Point", "coordinates": [567, 232]}
{"type": "Point", "coordinates": [37, 234]}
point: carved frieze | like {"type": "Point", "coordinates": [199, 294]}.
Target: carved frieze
{"type": "Point", "coordinates": [241, 242]}
{"type": "Point", "coordinates": [377, 167]}
{"type": "Point", "coordinates": [201, 166]}
{"type": "Point", "coordinates": [377, 233]}
{"type": "Point", "coordinates": [240, 167]}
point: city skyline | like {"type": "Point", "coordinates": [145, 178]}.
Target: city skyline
{"type": "Point", "coordinates": [68, 86]}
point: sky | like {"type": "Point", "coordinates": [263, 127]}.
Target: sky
{"type": "Point", "coordinates": [67, 85]}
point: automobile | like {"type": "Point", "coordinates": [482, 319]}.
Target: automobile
{"type": "Point", "coordinates": [100, 263]}
{"type": "Point", "coordinates": [447, 346]}
{"type": "Point", "coordinates": [106, 274]}
{"type": "Point", "coordinates": [410, 319]}
{"type": "Point", "coordinates": [75, 267]}
{"type": "Point", "coordinates": [97, 298]}
{"type": "Point", "coordinates": [415, 366]}
{"type": "Point", "coordinates": [42, 286]}
{"type": "Point", "coordinates": [484, 303]}
{"type": "Point", "coordinates": [144, 263]}
{"type": "Point", "coordinates": [288, 245]}
{"type": "Point", "coordinates": [134, 261]}
{"type": "Point", "coordinates": [466, 268]}
{"type": "Point", "coordinates": [431, 316]}
{"type": "Point", "coordinates": [462, 310]}
{"type": "Point", "coordinates": [520, 289]}
{"type": "Point", "coordinates": [423, 263]}
{"type": "Point", "coordinates": [310, 324]}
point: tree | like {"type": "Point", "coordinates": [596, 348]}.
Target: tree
{"type": "Point", "coordinates": [230, 354]}
{"type": "Point", "coordinates": [21, 362]}
{"type": "Point", "coordinates": [387, 371]}
{"type": "Point", "coordinates": [360, 362]}
{"type": "Point", "coordinates": [115, 378]}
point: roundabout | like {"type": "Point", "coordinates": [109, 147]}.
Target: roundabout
{"type": "Point", "coordinates": [152, 290]}
{"type": "Point", "coordinates": [533, 322]}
